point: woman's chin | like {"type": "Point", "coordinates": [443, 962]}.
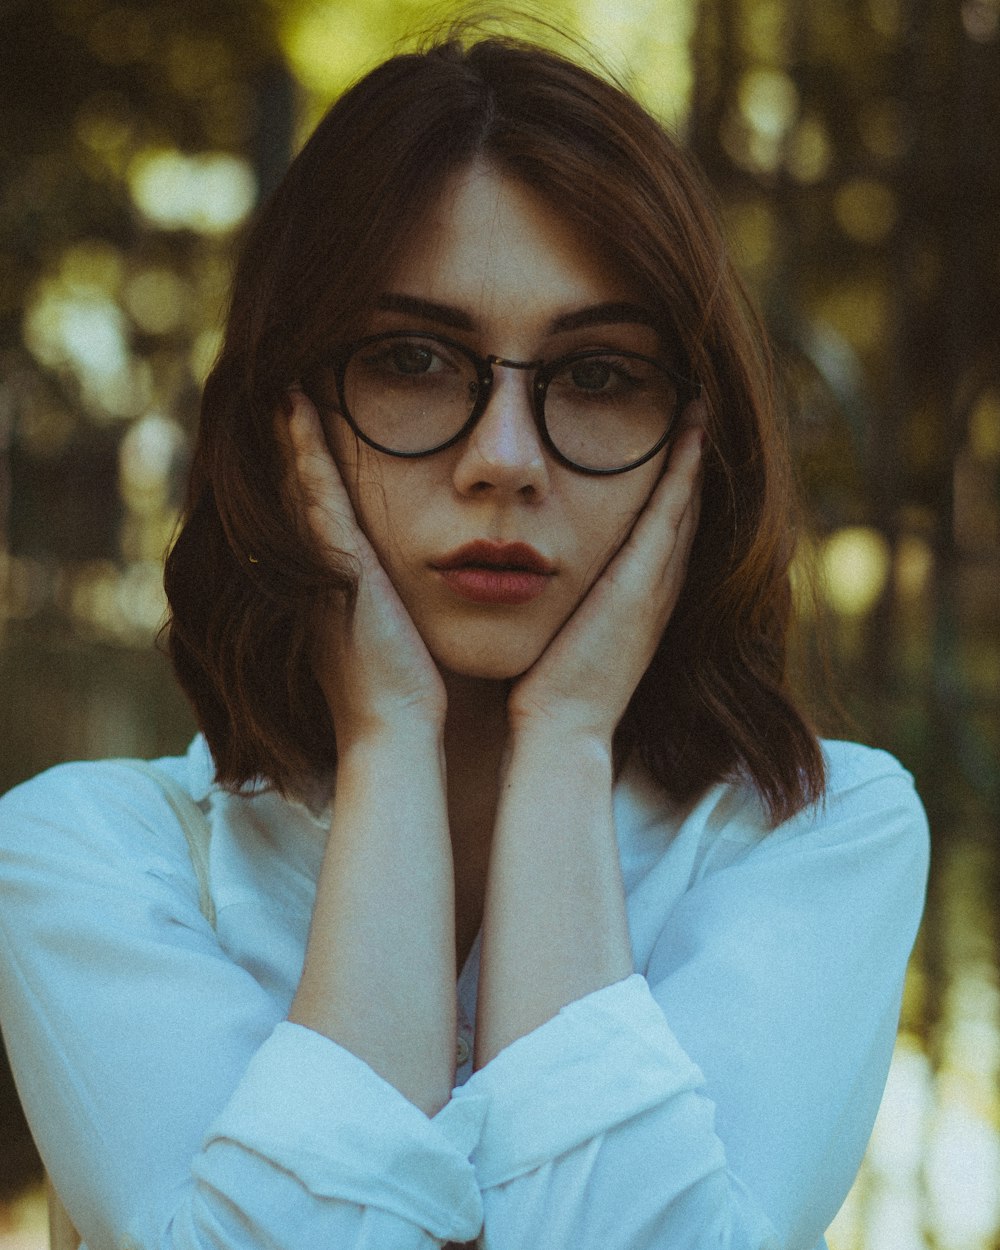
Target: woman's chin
{"type": "Point", "coordinates": [482, 669]}
{"type": "Point", "coordinates": [503, 663]}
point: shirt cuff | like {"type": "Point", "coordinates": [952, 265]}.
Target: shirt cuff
{"type": "Point", "coordinates": [602, 1060]}
{"type": "Point", "coordinates": [322, 1114]}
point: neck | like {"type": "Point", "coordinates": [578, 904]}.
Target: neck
{"type": "Point", "coordinates": [475, 732]}
{"type": "Point", "coordinates": [475, 735]}
{"type": "Point", "coordinates": [474, 740]}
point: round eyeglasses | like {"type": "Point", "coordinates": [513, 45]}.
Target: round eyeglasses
{"type": "Point", "coordinates": [411, 394]}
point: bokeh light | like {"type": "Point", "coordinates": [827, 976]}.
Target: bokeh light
{"type": "Point", "coordinates": [209, 192]}
{"type": "Point", "coordinates": [855, 565]}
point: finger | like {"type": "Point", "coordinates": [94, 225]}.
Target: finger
{"type": "Point", "coordinates": [316, 489]}
{"type": "Point", "coordinates": [670, 516]}
{"type": "Point", "coordinates": [687, 450]}
{"type": "Point", "coordinates": [680, 480]}
{"type": "Point", "coordinates": [315, 467]}
{"type": "Point", "coordinates": [645, 578]}
{"type": "Point", "coordinates": [313, 489]}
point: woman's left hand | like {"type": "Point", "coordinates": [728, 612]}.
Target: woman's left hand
{"type": "Point", "coordinates": [584, 679]}
{"type": "Point", "coordinates": [555, 926]}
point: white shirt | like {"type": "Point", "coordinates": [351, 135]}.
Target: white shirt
{"type": "Point", "coordinates": [721, 1097]}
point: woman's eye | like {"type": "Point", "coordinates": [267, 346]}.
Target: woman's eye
{"type": "Point", "coordinates": [592, 375]}
{"type": "Point", "coordinates": [410, 358]}
{"type": "Point", "coordinates": [597, 377]}
{"type": "Point", "coordinates": [402, 358]}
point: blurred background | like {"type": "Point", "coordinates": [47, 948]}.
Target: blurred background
{"type": "Point", "coordinates": [855, 149]}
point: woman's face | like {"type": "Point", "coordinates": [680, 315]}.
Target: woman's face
{"type": "Point", "coordinates": [495, 268]}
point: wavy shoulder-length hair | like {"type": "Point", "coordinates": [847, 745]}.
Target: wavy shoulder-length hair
{"type": "Point", "coordinates": [242, 579]}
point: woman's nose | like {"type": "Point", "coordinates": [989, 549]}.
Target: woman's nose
{"type": "Point", "coordinates": [504, 451]}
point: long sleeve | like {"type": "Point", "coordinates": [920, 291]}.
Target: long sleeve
{"type": "Point", "coordinates": [720, 1097]}
{"type": "Point", "coordinates": [724, 1097]}
{"type": "Point", "coordinates": [173, 1104]}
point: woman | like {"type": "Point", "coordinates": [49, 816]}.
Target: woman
{"type": "Point", "coordinates": [481, 600]}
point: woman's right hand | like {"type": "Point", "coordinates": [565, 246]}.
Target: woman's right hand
{"type": "Point", "coordinates": [379, 971]}
{"type": "Point", "coordinates": [370, 661]}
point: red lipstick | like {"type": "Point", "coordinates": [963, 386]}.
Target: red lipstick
{"type": "Point", "coordinates": [489, 572]}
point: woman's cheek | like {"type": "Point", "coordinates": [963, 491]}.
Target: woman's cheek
{"type": "Point", "coordinates": [609, 546]}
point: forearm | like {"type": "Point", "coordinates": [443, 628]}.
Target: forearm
{"type": "Point", "coordinates": [379, 975]}
{"type": "Point", "coordinates": [555, 927]}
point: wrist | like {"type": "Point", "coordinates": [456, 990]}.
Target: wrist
{"type": "Point", "coordinates": [571, 720]}
{"type": "Point", "coordinates": [559, 746]}
{"type": "Point", "coordinates": [376, 723]}
{"type": "Point", "coordinates": [403, 744]}
{"type": "Point", "coordinates": [364, 712]}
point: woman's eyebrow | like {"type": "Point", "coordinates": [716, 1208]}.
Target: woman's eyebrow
{"type": "Point", "coordinates": [619, 312]}
{"type": "Point", "coordinates": [425, 309]}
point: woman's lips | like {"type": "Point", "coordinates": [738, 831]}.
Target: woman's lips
{"type": "Point", "coordinates": [484, 585]}
{"type": "Point", "coordinates": [501, 573]}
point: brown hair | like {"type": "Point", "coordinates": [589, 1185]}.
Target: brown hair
{"type": "Point", "coordinates": [243, 582]}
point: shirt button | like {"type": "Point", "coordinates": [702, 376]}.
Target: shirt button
{"type": "Point", "coordinates": [462, 1050]}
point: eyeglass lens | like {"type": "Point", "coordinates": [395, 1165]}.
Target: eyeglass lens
{"type": "Point", "coordinates": [410, 394]}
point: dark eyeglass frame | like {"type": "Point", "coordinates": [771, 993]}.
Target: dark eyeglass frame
{"type": "Point", "coordinates": [687, 390]}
